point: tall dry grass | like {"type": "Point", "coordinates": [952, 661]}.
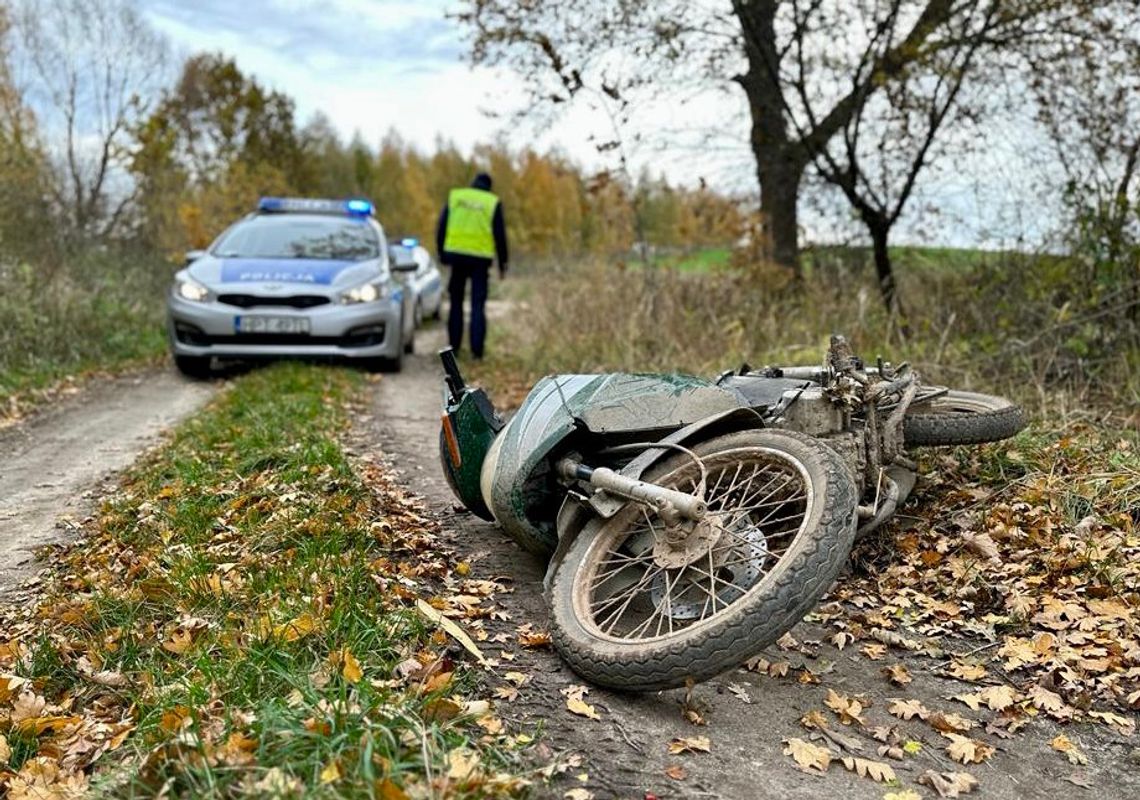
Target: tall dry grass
{"type": "Point", "coordinates": [97, 309]}
{"type": "Point", "coordinates": [1006, 324]}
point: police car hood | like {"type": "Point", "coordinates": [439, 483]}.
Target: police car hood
{"type": "Point", "coordinates": [315, 273]}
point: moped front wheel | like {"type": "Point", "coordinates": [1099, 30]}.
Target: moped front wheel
{"type": "Point", "coordinates": [640, 606]}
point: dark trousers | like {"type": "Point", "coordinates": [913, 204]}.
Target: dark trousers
{"type": "Point", "coordinates": [478, 271]}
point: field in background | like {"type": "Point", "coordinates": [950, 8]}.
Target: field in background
{"type": "Point", "coordinates": [1006, 323]}
{"type": "Point", "coordinates": [100, 311]}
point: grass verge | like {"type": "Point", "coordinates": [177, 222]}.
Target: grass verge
{"type": "Point", "coordinates": [103, 312]}
{"type": "Point", "coordinates": [240, 620]}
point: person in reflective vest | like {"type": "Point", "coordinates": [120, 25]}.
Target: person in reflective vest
{"type": "Point", "coordinates": [470, 236]}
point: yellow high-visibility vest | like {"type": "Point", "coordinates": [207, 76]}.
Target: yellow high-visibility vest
{"type": "Point", "coordinates": [469, 216]}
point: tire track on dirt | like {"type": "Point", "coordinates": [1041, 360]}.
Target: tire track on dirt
{"type": "Point", "coordinates": [52, 464]}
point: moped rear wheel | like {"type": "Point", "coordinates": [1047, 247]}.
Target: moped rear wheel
{"type": "Point", "coordinates": [632, 613]}
{"type": "Point", "coordinates": [956, 417]}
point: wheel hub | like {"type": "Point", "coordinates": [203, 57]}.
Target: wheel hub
{"type": "Point", "coordinates": [736, 568]}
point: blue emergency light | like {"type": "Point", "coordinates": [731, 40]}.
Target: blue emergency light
{"type": "Point", "coordinates": [410, 241]}
{"type": "Point", "coordinates": [356, 207]}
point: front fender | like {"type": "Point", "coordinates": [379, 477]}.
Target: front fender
{"type": "Point", "coordinates": [731, 421]}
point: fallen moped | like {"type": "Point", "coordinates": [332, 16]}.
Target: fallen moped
{"type": "Point", "coordinates": [690, 522]}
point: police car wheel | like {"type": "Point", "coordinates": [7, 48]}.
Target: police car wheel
{"type": "Point", "coordinates": [197, 367]}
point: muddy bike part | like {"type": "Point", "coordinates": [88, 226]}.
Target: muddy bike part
{"type": "Point", "coordinates": [637, 606]}
{"type": "Point", "coordinates": [667, 502]}
{"type": "Point", "coordinates": [957, 417]}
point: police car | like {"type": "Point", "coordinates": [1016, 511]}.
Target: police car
{"type": "Point", "coordinates": [426, 282]}
{"type": "Point", "coordinates": [298, 277]}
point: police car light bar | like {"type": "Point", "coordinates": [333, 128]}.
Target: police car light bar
{"type": "Point", "coordinates": [410, 241]}
{"type": "Point", "coordinates": [356, 207]}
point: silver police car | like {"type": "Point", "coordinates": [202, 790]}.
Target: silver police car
{"type": "Point", "coordinates": [426, 282]}
{"type": "Point", "coordinates": [298, 277]}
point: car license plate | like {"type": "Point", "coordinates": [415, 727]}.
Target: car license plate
{"type": "Point", "coordinates": [281, 325]}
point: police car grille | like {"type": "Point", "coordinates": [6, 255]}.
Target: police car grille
{"type": "Point", "coordinates": [253, 301]}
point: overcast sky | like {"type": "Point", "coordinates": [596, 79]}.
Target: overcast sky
{"type": "Point", "coordinates": [374, 65]}
{"type": "Point", "coordinates": [371, 65]}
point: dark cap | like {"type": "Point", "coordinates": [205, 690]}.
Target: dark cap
{"type": "Point", "coordinates": [482, 181]}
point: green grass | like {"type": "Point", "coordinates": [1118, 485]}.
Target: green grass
{"type": "Point", "coordinates": [225, 585]}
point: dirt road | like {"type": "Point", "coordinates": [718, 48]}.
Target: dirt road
{"type": "Point", "coordinates": [748, 715]}
{"type": "Point", "coordinates": [51, 465]}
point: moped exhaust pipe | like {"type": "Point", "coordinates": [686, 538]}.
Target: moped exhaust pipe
{"type": "Point", "coordinates": [658, 497]}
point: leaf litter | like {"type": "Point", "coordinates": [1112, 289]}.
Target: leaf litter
{"type": "Point", "coordinates": [248, 587]}
{"type": "Point", "coordinates": [1026, 591]}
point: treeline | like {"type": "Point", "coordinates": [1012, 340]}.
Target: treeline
{"type": "Point", "coordinates": [168, 167]}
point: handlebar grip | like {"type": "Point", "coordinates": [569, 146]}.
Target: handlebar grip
{"type": "Point", "coordinates": [454, 378]}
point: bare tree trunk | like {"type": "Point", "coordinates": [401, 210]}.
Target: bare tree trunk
{"type": "Point", "coordinates": [884, 271]}
{"type": "Point", "coordinates": [779, 194]}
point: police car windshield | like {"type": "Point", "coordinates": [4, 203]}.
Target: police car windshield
{"type": "Point", "coordinates": [299, 236]}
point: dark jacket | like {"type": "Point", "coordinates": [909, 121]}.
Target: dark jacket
{"type": "Point", "coordinates": [498, 229]}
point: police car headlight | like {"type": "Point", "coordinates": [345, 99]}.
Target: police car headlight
{"type": "Point", "coordinates": [191, 290]}
{"type": "Point", "coordinates": [366, 293]}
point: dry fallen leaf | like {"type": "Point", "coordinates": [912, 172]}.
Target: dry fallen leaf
{"type": "Point", "coordinates": [897, 674]}
{"type": "Point", "coordinates": [1063, 744]}
{"type": "Point", "coordinates": [577, 705]}
{"type": "Point", "coordinates": [1047, 701]}
{"type": "Point", "coordinates": [676, 772]}
{"type": "Point", "coordinates": [907, 709]}
{"type": "Point", "coordinates": [847, 709]}
{"type": "Point", "coordinates": [998, 698]}
{"type": "Point", "coordinates": [875, 652]}
{"type": "Point", "coordinates": [967, 672]}
{"type": "Point", "coordinates": [965, 750]}
{"type": "Point", "coordinates": [865, 768]}
{"type": "Point", "coordinates": [508, 693]}
{"type": "Point", "coordinates": [689, 744]}
{"type": "Point", "coordinates": [517, 678]}
{"type": "Point", "coordinates": [949, 784]}
{"type": "Point", "coordinates": [331, 773]}
{"type": "Point", "coordinates": [351, 668]}
{"type": "Point", "coordinates": [1123, 725]}
{"type": "Point", "coordinates": [462, 764]}
{"type": "Point", "coordinates": [949, 723]}
{"type": "Point", "coordinates": [808, 756]}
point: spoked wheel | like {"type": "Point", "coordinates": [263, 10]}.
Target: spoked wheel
{"type": "Point", "coordinates": [956, 417]}
{"type": "Point", "coordinates": [639, 605]}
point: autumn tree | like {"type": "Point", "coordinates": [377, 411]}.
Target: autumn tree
{"type": "Point", "coordinates": [90, 67]}
{"type": "Point", "coordinates": [807, 68]}
{"type": "Point", "coordinates": [215, 143]}
{"type": "Point", "coordinates": [25, 218]}
{"type": "Point", "coordinates": [1088, 99]}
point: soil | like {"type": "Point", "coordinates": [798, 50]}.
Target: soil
{"type": "Point", "coordinates": [53, 464]}
{"type": "Point", "coordinates": [748, 715]}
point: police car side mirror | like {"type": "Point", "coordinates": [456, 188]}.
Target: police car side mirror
{"type": "Point", "coordinates": [403, 260]}
{"type": "Point", "coordinates": [194, 255]}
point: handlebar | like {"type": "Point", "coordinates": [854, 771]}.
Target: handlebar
{"type": "Point", "coordinates": [452, 376]}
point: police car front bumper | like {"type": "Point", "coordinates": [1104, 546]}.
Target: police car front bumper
{"type": "Point", "coordinates": [364, 330]}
